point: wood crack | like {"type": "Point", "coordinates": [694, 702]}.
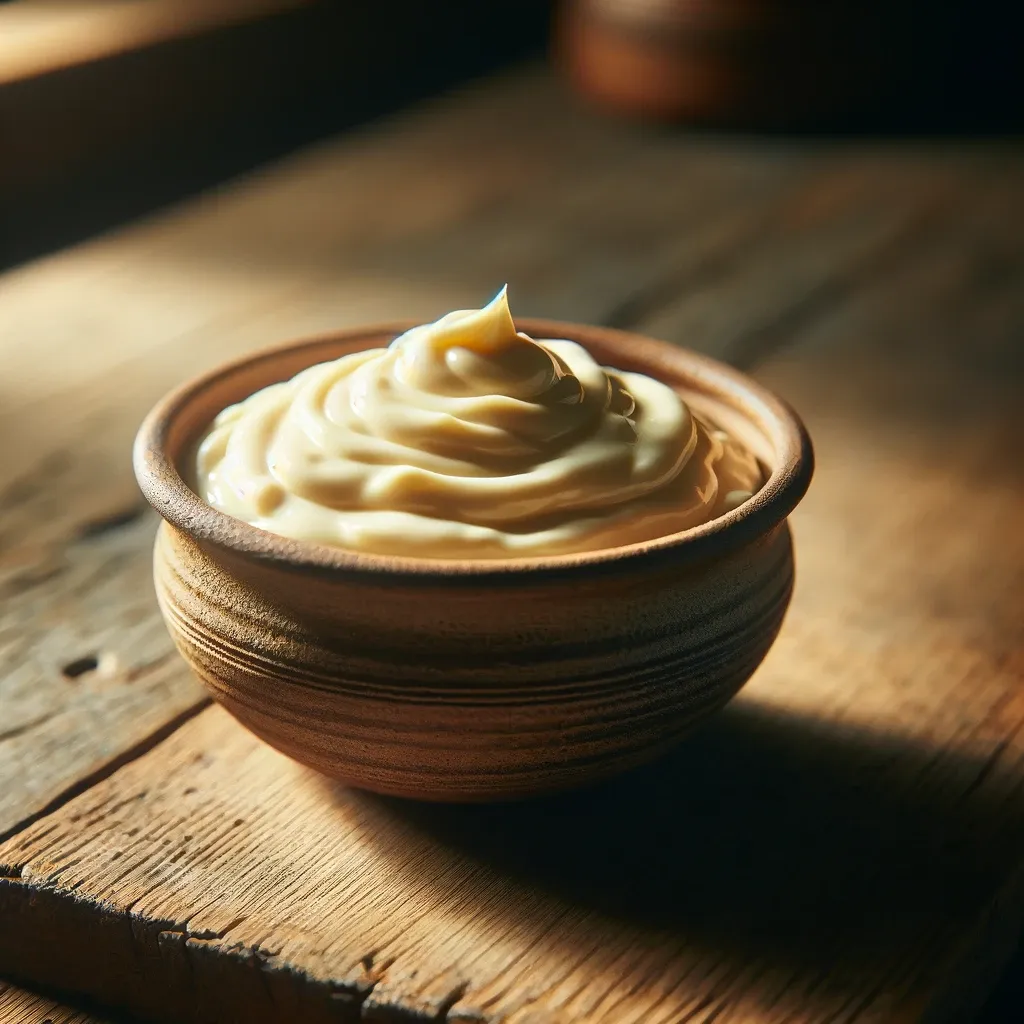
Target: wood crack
{"type": "Point", "coordinates": [647, 301]}
{"type": "Point", "coordinates": [112, 522]}
{"type": "Point", "coordinates": [447, 1002]}
{"type": "Point", "coordinates": [134, 752]}
{"type": "Point", "coordinates": [751, 349]}
{"type": "Point", "coordinates": [20, 730]}
{"type": "Point", "coordinates": [988, 767]}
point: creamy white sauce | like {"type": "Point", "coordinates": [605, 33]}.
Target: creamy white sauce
{"type": "Point", "coordinates": [465, 438]}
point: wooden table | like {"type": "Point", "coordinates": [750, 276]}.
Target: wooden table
{"type": "Point", "coordinates": [844, 843]}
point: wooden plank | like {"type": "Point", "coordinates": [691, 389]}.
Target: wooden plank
{"type": "Point", "coordinates": [90, 678]}
{"type": "Point", "coordinates": [846, 842]}
{"type": "Point", "coordinates": [19, 1006]}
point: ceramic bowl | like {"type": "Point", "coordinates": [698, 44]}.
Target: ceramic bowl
{"type": "Point", "coordinates": [463, 680]}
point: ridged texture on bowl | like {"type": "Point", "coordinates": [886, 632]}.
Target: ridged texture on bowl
{"type": "Point", "coordinates": [475, 689]}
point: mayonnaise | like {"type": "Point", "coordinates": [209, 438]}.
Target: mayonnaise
{"type": "Point", "coordinates": [465, 438]}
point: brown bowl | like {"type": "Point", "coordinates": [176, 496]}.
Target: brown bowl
{"type": "Point", "coordinates": [468, 680]}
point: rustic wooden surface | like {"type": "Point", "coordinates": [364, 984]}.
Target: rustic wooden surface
{"type": "Point", "coordinates": [19, 1006]}
{"type": "Point", "coordinates": [845, 843]}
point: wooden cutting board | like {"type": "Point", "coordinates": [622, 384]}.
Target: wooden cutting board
{"type": "Point", "coordinates": [844, 843]}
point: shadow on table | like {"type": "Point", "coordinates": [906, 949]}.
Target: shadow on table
{"type": "Point", "coordinates": [766, 835]}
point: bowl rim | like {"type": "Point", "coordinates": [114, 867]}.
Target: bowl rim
{"type": "Point", "coordinates": [165, 489]}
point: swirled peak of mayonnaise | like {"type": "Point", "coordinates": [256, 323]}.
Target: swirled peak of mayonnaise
{"type": "Point", "coordinates": [465, 438]}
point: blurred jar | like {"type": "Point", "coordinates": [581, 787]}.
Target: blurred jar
{"type": "Point", "coordinates": [768, 62]}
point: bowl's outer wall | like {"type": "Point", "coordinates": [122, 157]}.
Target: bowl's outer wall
{"type": "Point", "coordinates": [502, 689]}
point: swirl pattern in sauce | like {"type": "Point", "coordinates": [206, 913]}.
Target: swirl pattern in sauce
{"type": "Point", "coordinates": [465, 438]}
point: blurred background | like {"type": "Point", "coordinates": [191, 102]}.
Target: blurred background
{"type": "Point", "coordinates": [109, 108]}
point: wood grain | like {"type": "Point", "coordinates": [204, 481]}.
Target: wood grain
{"type": "Point", "coordinates": [845, 843]}
{"type": "Point", "coordinates": [90, 677]}
{"type": "Point", "coordinates": [19, 1006]}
